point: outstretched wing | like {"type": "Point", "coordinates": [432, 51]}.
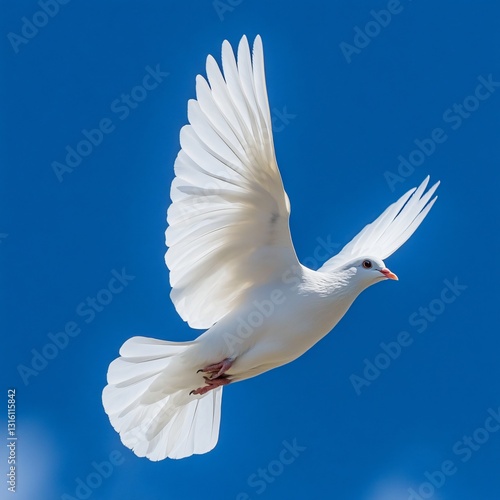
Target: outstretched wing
{"type": "Point", "coordinates": [229, 221]}
{"type": "Point", "coordinates": [394, 227]}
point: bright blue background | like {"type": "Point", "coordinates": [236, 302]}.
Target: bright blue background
{"type": "Point", "coordinates": [352, 121]}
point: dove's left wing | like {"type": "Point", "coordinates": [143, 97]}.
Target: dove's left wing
{"type": "Point", "coordinates": [390, 230]}
{"type": "Point", "coordinates": [228, 223]}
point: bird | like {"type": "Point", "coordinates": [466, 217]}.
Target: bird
{"type": "Point", "coordinates": [233, 269]}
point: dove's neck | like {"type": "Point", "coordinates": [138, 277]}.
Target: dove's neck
{"type": "Point", "coordinates": [339, 289]}
{"type": "Point", "coordinates": [329, 295]}
{"type": "Point", "coordinates": [337, 285]}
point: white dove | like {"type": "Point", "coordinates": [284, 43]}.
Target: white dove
{"type": "Point", "coordinates": [234, 271]}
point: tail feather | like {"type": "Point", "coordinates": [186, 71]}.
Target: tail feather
{"type": "Point", "coordinates": [137, 347]}
{"type": "Point", "coordinates": [148, 402]}
{"type": "Point", "coordinates": [127, 371]}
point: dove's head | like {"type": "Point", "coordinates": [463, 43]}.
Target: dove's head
{"type": "Point", "coordinates": [366, 271]}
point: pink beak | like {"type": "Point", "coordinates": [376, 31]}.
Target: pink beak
{"type": "Point", "coordinates": [388, 274]}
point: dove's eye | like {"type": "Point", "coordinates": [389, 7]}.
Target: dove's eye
{"type": "Point", "coordinates": [367, 264]}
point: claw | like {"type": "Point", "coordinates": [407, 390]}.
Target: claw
{"type": "Point", "coordinates": [218, 368]}
{"type": "Point", "coordinates": [216, 376]}
{"type": "Point", "coordinates": [212, 383]}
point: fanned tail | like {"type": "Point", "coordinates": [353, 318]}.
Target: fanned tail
{"type": "Point", "coordinates": [148, 402]}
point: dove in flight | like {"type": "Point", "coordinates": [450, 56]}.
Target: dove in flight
{"type": "Point", "coordinates": [234, 271]}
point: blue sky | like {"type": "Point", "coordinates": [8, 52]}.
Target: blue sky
{"type": "Point", "coordinates": [349, 108]}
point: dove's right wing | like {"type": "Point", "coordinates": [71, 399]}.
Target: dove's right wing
{"type": "Point", "coordinates": [386, 234]}
{"type": "Point", "coordinates": [228, 223]}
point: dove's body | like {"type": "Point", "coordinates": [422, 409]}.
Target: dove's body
{"type": "Point", "coordinates": [262, 334]}
{"type": "Point", "coordinates": [234, 271]}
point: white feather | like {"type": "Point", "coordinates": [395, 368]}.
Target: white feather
{"type": "Point", "coordinates": [162, 419]}
{"type": "Point", "coordinates": [228, 198]}
{"type": "Point", "coordinates": [390, 230]}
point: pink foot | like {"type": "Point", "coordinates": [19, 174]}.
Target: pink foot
{"type": "Point", "coordinates": [212, 383]}
{"type": "Point", "coordinates": [216, 376]}
{"type": "Point", "coordinates": [218, 369]}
